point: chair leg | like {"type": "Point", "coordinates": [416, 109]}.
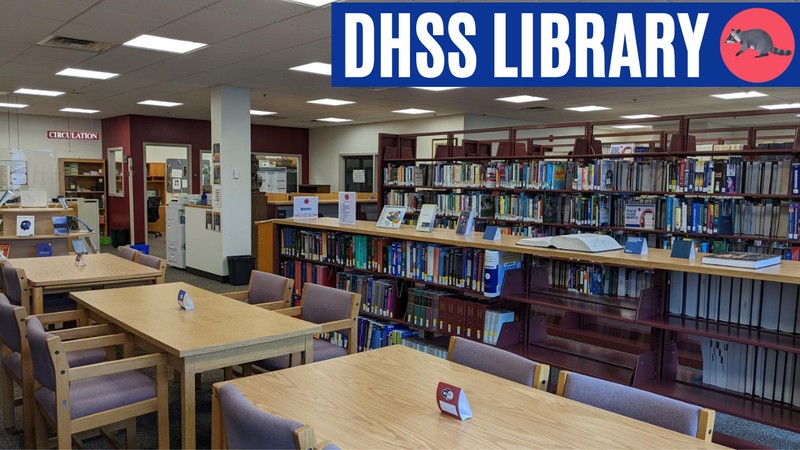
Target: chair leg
{"type": "Point", "coordinates": [40, 429]}
{"type": "Point", "coordinates": [8, 400]}
{"type": "Point", "coordinates": [130, 433]}
{"type": "Point", "coordinates": [163, 407]}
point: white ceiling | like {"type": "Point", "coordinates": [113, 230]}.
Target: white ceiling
{"type": "Point", "coordinates": [252, 44]}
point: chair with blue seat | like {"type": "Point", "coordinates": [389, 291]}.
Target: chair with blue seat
{"type": "Point", "coordinates": [15, 286]}
{"type": "Point", "coordinates": [247, 427]}
{"type": "Point", "coordinates": [76, 399]}
{"type": "Point", "coordinates": [496, 361]}
{"type": "Point", "coordinates": [335, 310]}
{"type": "Point", "coordinates": [637, 404]}
{"type": "Point", "coordinates": [266, 290]}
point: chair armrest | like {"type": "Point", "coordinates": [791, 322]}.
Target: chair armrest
{"type": "Point", "coordinates": [336, 325]}
{"type": "Point", "coordinates": [98, 342]}
{"type": "Point", "coordinates": [240, 295]}
{"type": "Point", "coordinates": [117, 366]}
{"type": "Point", "coordinates": [63, 316]}
{"type": "Point", "coordinates": [293, 311]}
{"type": "Point", "coordinates": [84, 332]}
{"type": "Point", "coordinates": [273, 306]}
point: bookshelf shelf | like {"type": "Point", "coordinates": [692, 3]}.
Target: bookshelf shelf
{"type": "Point", "coordinates": [85, 178]}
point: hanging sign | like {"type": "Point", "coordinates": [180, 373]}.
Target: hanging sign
{"type": "Point", "coordinates": [74, 135]}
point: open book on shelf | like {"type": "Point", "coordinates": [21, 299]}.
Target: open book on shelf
{"type": "Point", "coordinates": [583, 242]}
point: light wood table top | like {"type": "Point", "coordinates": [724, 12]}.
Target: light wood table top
{"type": "Point", "coordinates": [61, 270]}
{"type": "Point", "coordinates": [386, 399]}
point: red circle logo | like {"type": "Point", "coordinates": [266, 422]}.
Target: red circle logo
{"type": "Point", "coordinates": [347, 196]}
{"type": "Point", "coordinates": [305, 201]}
{"type": "Point", "coordinates": [757, 45]}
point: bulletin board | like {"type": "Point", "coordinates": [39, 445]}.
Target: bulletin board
{"type": "Point", "coordinates": [177, 176]}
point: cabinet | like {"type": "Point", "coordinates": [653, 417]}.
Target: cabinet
{"type": "Point", "coordinates": [85, 178]}
{"type": "Point", "coordinates": [156, 187]}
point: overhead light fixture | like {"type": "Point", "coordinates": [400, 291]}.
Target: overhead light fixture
{"type": "Point", "coordinates": [521, 99]}
{"type": "Point", "coordinates": [739, 95]}
{"type": "Point", "coordinates": [330, 102]}
{"type": "Point", "coordinates": [315, 67]}
{"type": "Point", "coordinates": [630, 127]}
{"type": "Point", "coordinates": [80, 110]}
{"type": "Point", "coordinates": [159, 103]}
{"type": "Point", "coordinates": [314, 3]}
{"type": "Point", "coordinates": [412, 111]}
{"type": "Point", "coordinates": [255, 112]}
{"type": "Point", "coordinates": [589, 108]}
{"type": "Point", "coordinates": [82, 73]}
{"type": "Point", "coordinates": [38, 92]}
{"type": "Point", "coordinates": [13, 105]}
{"type": "Point", "coordinates": [640, 116]}
{"type": "Point", "coordinates": [435, 89]}
{"type": "Point", "coordinates": [781, 106]}
{"type": "Point", "coordinates": [334, 119]}
{"type": "Point", "coordinates": [162, 44]}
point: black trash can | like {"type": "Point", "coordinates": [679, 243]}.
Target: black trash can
{"type": "Point", "coordinates": [120, 236]}
{"type": "Point", "coordinates": [239, 268]}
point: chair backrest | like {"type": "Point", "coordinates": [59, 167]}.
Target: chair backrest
{"type": "Point", "coordinates": [638, 404]}
{"type": "Point", "coordinates": [14, 283]}
{"type": "Point", "coordinates": [151, 261]}
{"type": "Point", "coordinates": [43, 366]}
{"type": "Point", "coordinates": [153, 204]}
{"type": "Point", "coordinates": [269, 287]}
{"type": "Point", "coordinates": [498, 362]}
{"type": "Point", "coordinates": [326, 304]}
{"type": "Point", "coordinates": [131, 254]}
{"type": "Point", "coordinates": [248, 427]}
{"type": "Point", "coordinates": [9, 324]}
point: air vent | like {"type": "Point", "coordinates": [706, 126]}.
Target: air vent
{"type": "Point", "coordinates": [537, 108]}
{"type": "Point", "coordinates": [75, 44]}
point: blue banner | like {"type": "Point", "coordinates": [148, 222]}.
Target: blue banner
{"type": "Point", "coordinates": [565, 44]}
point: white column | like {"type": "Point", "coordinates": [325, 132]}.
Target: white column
{"type": "Point", "coordinates": [230, 128]}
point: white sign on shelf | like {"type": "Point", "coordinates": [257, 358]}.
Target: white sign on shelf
{"type": "Point", "coordinates": [347, 208]}
{"type": "Point", "coordinates": [306, 207]}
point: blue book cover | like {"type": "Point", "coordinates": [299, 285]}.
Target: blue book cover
{"type": "Point", "coordinates": [45, 249]}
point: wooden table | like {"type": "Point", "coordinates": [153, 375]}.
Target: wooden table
{"type": "Point", "coordinates": [386, 399]}
{"type": "Point", "coordinates": [219, 332]}
{"type": "Point", "coordinates": [60, 274]}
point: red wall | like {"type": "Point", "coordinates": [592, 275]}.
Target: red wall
{"type": "Point", "coordinates": [132, 132]}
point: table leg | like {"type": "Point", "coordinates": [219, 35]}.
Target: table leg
{"type": "Point", "coordinates": [217, 430]}
{"type": "Point", "coordinates": [308, 353]}
{"type": "Point", "coordinates": [187, 408]}
{"type": "Point", "coordinates": [37, 301]}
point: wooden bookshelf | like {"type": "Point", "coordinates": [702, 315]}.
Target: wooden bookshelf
{"type": "Point", "coordinates": [157, 181]}
{"type": "Point", "coordinates": [85, 178]}
{"type": "Point", "coordinates": [25, 246]}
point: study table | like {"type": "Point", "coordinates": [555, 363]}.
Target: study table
{"type": "Point", "coordinates": [385, 398]}
{"type": "Point", "coordinates": [219, 332]}
{"type": "Point", "coordinates": [60, 274]}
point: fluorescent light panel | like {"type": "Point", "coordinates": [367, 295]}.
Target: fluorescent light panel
{"type": "Point", "coordinates": [315, 67]}
{"type": "Point", "coordinates": [13, 105]}
{"type": "Point", "coordinates": [256, 112]}
{"type": "Point", "coordinates": [38, 92]}
{"type": "Point", "coordinates": [159, 103]}
{"type": "Point", "coordinates": [80, 110]}
{"type": "Point", "coordinates": [436, 89]}
{"type": "Point", "coordinates": [739, 95]}
{"type": "Point", "coordinates": [162, 44]}
{"type": "Point", "coordinates": [781, 106]}
{"type": "Point", "coordinates": [82, 73]}
{"type": "Point", "coordinates": [330, 102]}
{"type": "Point", "coordinates": [521, 99]}
{"type": "Point", "coordinates": [630, 127]}
{"type": "Point", "coordinates": [640, 116]}
{"type": "Point", "coordinates": [334, 119]}
{"type": "Point", "coordinates": [412, 111]}
{"type": "Point", "coordinates": [589, 108]}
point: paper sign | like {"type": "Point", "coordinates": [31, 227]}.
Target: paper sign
{"type": "Point", "coordinates": [184, 300]}
{"type": "Point", "coordinates": [306, 207]}
{"type": "Point", "coordinates": [683, 248]}
{"type": "Point", "coordinates": [177, 173]}
{"type": "Point", "coordinates": [453, 401]}
{"type": "Point", "coordinates": [359, 176]}
{"type": "Point", "coordinates": [176, 184]}
{"type": "Point", "coordinates": [80, 261]}
{"type": "Point", "coordinates": [347, 208]}
{"type": "Point", "coordinates": [636, 246]}
{"type": "Point", "coordinates": [492, 233]}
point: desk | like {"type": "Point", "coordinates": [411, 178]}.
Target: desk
{"type": "Point", "coordinates": [219, 332]}
{"type": "Point", "coordinates": [59, 273]}
{"type": "Point", "coordinates": [385, 399]}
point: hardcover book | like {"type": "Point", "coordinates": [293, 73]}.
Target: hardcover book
{"type": "Point", "coordinates": [391, 216]}
{"type": "Point", "coordinates": [465, 222]}
{"type": "Point", "coordinates": [427, 218]}
{"type": "Point", "coordinates": [25, 225]}
{"type": "Point", "coordinates": [583, 242]}
{"type": "Point", "coordinates": [60, 226]}
{"type": "Point", "coordinates": [742, 259]}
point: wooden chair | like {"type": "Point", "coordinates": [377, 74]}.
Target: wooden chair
{"type": "Point", "coordinates": [154, 262]}
{"type": "Point", "coordinates": [248, 427]}
{"type": "Point", "coordinates": [266, 290]}
{"type": "Point", "coordinates": [73, 400]}
{"type": "Point", "coordinates": [638, 404]}
{"type": "Point", "coordinates": [15, 286]}
{"type": "Point", "coordinates": [16, 358]}
{"type": "Point", "coordinates": [131, 254]}
{"type": "Point", "coordinates": [496, 361]}
{"type": "Point", "coordinates": [335, 310]}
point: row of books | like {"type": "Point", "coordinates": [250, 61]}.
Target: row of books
{"type": "Point", "coordinates": [597, 280]}
{"type": "Point", "coordinates": [761, 372]}
{"type": "Point", "coordinates": [374, 333]}
{"type": "Point", "coordinates": [378, 296]}
{"type": "Point", "coordinates": [447, 204]}
{"type": "Point", "coordinates": [303, 272]}
{"type": "Point", "coordinates": [767, 305]}
{"type": "Point", "coordinates": [425, 346]}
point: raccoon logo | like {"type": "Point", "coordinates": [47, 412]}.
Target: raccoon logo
{"type": "Point", "coordinates": [758, 40]}
{"type": "Point", "coordinates": [757, 33]}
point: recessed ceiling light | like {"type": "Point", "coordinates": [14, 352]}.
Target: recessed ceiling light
{"type": "Point", "coordinates": [255, 112]}
{"type": "Point", "coordinates": [330, 102]}
{"type": "Point", "coordinates": [334, 119]}
{"type": "Point", "coordinates": [13, 105]}
{"type": "Point", "coordinates": [79, 110]}
{"type": "Point", "coordinates": [781, 106]}
{"type": "Point", "coordinates": [159, 103]}
{"type": "Point", "coordinates": [630, 127]}
{"type": "Point", "coordinates": [739, 95]}
{"type": "Point", "coordinates": [589, 108]}
{"type": "Point", "coordinates": [436, 89]}
{"type": "Point", "coordinates": [640, 116]}
{"type": "Point", "coordinates": [81, 73]}
{"type": "Point", "coordinates": [521, 99]}
{"type": "Point", "coordinates": [412, 111]}
{"type": "Point", "coordinates": [38, 92]}
{"type": "Point", "coordinates": [315, 67]}
{"type": "Point", "coordinates": [314, 3]}
{"type": "Point", "coordinates": [162, 44]}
